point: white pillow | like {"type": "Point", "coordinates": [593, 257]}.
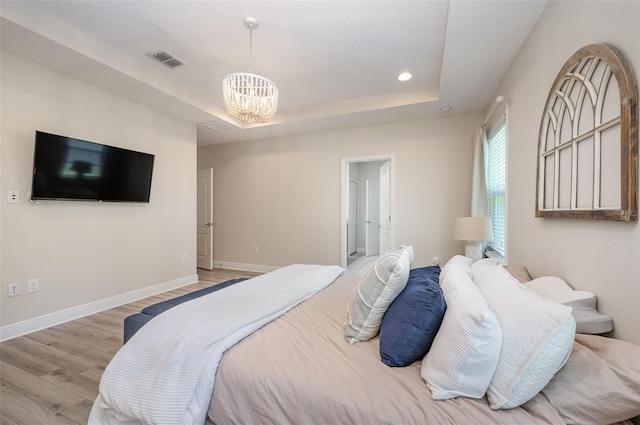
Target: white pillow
{"type": "Point", "coordinates": [465, 351]}
{"type": "Point", "coordinates": [457, 262]}
{"type": "Point", "coordinates": [375, 292]}
{"type": "Point", "coordinates": [556, 289]}
{"type": "Point", "coordinates": [537, 336]}
{"type": "Point", "coordinates": [584, 304]}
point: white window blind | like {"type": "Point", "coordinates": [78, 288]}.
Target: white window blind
{"type": "Point", "coordinates": [497, 185]}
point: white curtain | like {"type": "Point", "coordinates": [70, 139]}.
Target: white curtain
{"type": "Point", "coordinates": [479, 207]}
{"type": "Point", "coordinates": [479, 204]}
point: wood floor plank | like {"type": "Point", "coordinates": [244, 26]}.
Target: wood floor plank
{"type": "Point", "coordinates": [21, 409]}
{"type": "Point", "coordinates": [93, 336]}
{"type": "Point", "coordinates": [37, 389]}
{"type": "Point", "coordinates": [52, 376]}
{"type": "Point", "coordinates": [105, 320]}
{"type": "Point", "coordinates": [94, 373]}
{"type": "Point", "coordinates": [79, 412]}
{"type": "Point", "coordinates": [74, 382]}
{"type": "Point", "coordinates": [52, 354]}
{"type": "Point", "coordinates": [101, 356]}
{"type": "Point", "coordinates": [6, 421]}
{"type": "Point", "coordinates": [85, 329]}
{"type": "Point", "coordinates": [26, 361]}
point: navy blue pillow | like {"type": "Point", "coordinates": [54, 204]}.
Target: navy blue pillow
{"type": "Point", "coordinates": [413, 319]}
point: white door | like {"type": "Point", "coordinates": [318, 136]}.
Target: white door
{"type": "Point", "coordinates": [385, 209]}
{"type": "Point", "coordinates": [352, 222]}
{"type": "Point", "coordinates": [372, 220]}
{"type": "Point", "coordinates": [205, 219]}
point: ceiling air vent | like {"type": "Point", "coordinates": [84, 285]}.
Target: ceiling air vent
{"type": "Point", "coordinates": [216, 125]}
{"type": "Point", "coordinates": [165, 58]}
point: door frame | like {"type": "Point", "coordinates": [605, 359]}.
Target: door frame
{"type": "Point", "coordinates": [352, 226]}
{"type": "Point", "coordinates": [384, 213]}
{"type": "Point", "coordinates": [344, 214]}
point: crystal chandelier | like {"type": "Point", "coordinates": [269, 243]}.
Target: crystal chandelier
{"type": "Point", "coordinates": [247, 96]}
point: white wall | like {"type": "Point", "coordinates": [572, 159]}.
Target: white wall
{"type": "Point", "coordinates": [601, 257]}
{"type": "Point", "coordinates": [284, 194]}
{"type": "Point", "coordinates": [85, 252]}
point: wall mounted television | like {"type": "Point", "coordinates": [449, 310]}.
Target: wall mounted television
{"type": "Point", "coordinates": [65, 168]}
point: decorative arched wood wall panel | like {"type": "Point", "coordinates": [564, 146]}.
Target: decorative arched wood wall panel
{"type": "Point", "coordinates": [588, 139]}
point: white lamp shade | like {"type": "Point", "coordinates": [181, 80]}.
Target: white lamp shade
{"type": "Point", "coordinates": [473, 229]}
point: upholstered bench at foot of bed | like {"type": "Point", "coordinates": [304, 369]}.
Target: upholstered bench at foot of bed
{"type": "Point", "coordinates": [134, 322]}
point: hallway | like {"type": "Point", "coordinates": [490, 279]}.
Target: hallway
{"type": "Point", "coordinates": [358, 264]}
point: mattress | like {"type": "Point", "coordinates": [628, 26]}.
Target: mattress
{"type": "Point", "coordinates": [300, 370]}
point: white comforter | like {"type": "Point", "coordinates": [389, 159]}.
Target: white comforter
{"type": "Point", "coordinates": [165, 373]}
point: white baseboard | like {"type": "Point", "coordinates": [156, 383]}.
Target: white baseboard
{"type": "Point", "coordinates": [244, 267]}
{"type": "Point", "coordinates": [73, 313]}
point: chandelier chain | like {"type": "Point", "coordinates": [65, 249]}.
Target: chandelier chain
{"type": "Point", "coordinates": [251, 50]}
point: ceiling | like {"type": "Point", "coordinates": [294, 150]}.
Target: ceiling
{"type": "Point", "coordinates": [335, 63]}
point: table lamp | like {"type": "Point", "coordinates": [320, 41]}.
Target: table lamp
{"type": "Point", "coordinates": [474, 231]}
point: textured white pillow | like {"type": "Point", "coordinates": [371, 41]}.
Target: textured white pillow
{"type": "Point", "coordinates": [537, 336]}
{"type": "Point", "coordinates": [457, 262]}
{"type": "Point", "coordinates": [375, 292]}
{"type": "Point", "coordinates": [465, 351]}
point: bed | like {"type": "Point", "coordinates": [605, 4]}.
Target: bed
{"type": "Point", "coordinates": [298, 369]}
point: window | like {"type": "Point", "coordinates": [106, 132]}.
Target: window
{"type": "Point", "coordinates": [497, 184]}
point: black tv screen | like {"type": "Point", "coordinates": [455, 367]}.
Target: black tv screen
{"type": "Point", "coordinates": [74, 169]}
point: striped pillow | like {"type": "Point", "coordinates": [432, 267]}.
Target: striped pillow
{"type": "Point", "coordinates": [375, 292]}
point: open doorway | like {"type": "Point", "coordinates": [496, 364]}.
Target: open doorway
{"type": "Point", "coordinates": [368, 187]}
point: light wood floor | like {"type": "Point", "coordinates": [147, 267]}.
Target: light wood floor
{"type": "Point", "coordinates": [359, 265]}
{"type": "Point", "coordinates": [52, 376]}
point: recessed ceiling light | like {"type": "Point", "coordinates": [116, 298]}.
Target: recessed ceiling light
{"type": "Point", "coordinates": [405, 76]}
{"type": "Point", "coordinates": [446, 109]}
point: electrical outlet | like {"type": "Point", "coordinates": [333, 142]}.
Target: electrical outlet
{"type": "Point", "coordinates": [436, 261]}
{"type": "Point", "coordinates": [33, 285]}
{"type": "Point", "coordinates": [14, 289]}
{"type": "Point", "coordinates": [14, 197]}
{"type": "Point", "coordinates": [185, 257]}
{"type": "Point", "coordinates": [255, 248]}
